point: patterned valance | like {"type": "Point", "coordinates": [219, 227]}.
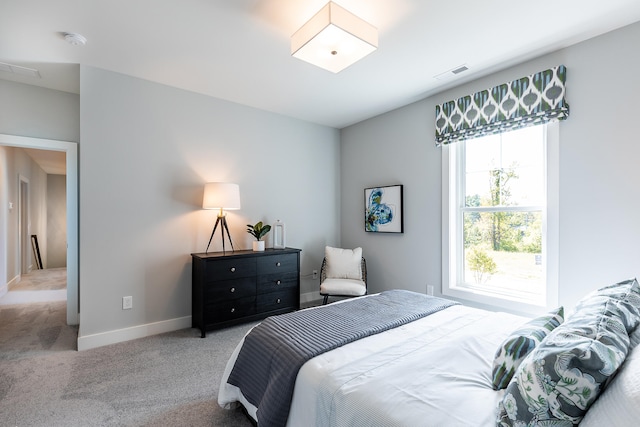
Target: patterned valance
{"type": "Point", "coordinates": [530, 100]}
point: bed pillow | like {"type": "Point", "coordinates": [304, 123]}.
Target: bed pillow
{"type": "Point", "coordinates": [562, 377]}
{"type": "Point", "coordinates": [343, 263]}
{"type": "Point", "coordinates": [520, 343]}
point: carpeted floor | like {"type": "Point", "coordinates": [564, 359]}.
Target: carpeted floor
{"type": "Point", "coordinates": [49, 279]}
{"type": "Point", "coordinates": [166, 380]}
{"type": "Point", "coordinates": [45, 285]}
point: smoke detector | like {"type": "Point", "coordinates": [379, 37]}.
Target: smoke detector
{"type": "Point", "coordinates": [75, 39]}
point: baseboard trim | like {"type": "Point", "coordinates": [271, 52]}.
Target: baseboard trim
{"type": "Point", "coordinates": [11, 283]}
{"type": "Point", "coordinates": [310, 296]}
{"type": "Point", "coordinates": [120, 335]}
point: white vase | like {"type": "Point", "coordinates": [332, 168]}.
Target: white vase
{"type": "Point", "coordinates": [258, 245]}
{"type": "Point", "coordinates": [278, 235]}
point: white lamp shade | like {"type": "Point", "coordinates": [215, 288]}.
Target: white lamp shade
{"type": "Point", "coordinates": [221, 195]}
{"type": "Point", "coordinates": [334, 39]}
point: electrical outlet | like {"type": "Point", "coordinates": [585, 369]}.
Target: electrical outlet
{"type": "Point", "coordinates": [127, 303]}
{"type": "Point", "coordinates": [430, 290]}
{"type": "Point", "coordinates": [315, 274]}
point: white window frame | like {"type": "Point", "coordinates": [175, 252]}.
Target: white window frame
{"type": "Point", "coordinates": [451, 233]}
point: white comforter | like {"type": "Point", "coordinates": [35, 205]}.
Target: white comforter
{"type": "Point", "coordinates": [432, 372]}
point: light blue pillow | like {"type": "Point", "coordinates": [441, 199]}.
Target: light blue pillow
{"type": "Point", "coordinates": [560, 379]}
{"type": "Point", "coordinates": [520, 343]}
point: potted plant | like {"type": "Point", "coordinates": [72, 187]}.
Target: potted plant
{"type": "Point", "coordinates": [258, 231]}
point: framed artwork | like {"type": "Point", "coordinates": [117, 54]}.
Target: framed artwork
{"type": "Point", "coordinates": [383, 209]}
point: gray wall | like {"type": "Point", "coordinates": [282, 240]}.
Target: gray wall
{"type": "Point", "coordinates": [34, 112]}
{"type": "Point", "coordinates": [599, 199]}
{"type": "Point", "coordinates": [38, 112]}
{"type": "Point", "coordinates": [17, 164]}
{"type": "Point", "coordinates": [56, 221]}
{"type": "Point", "coordinates": [146, 152]}
{"type": "Point", "coordinates": [147, 149]}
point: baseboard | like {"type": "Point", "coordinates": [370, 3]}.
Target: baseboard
{"type": "Point", "coordinates": [11, 283]}
{"type": "Point", "coordinates": [310, 297]}
{"type": "Point", "coordinates": [120, 335]}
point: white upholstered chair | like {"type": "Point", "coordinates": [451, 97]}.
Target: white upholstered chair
{"type": "Point", "coordinates": [343, 273]}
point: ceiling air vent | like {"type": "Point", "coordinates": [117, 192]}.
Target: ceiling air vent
{"type": "Point", "coordinates": [16, 69]}
{"type": "Point", "coordinates": [460, 69]}
{"type": "Point", "coordinates": [451, 73]}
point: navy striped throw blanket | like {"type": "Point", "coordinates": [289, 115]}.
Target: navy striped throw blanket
{"type": "Point", "coordinates": [275, 350]}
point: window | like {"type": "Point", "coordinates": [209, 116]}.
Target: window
{"type": "Point", "coordinates": [500, 218]}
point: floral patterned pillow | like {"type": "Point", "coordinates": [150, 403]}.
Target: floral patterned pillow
{"type": "Point", "coordinates": [559, 380]}
{"type": "Point", "coordinates": [520, 343]}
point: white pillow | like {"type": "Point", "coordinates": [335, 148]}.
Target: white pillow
{"type": "Point", "coordinates": [343, 263]}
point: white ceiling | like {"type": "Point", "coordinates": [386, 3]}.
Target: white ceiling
{"type": "Point", "coordinates": [239, 50]}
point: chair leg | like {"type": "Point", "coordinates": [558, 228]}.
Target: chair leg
{"type": "Point", "coordinates": [324, 301]}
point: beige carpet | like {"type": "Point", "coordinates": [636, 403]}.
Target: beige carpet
{"type": "Point", "coordinates": [165, 380]}
{"type": "Point", "coordinates": [49, 279]}
{"type": "Point", "coordinates": [38, 286]}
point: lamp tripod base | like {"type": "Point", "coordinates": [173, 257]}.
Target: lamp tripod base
{"type": "Point", "coordinates": [222, 221]}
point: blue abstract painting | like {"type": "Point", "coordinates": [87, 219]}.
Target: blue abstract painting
{"type": "Point", "coordinates": [383, 209]}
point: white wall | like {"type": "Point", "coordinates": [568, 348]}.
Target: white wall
{"type": "Point", "coordinates": [599, 172]}
{"type": "Point", "coordinates": [146, 152]}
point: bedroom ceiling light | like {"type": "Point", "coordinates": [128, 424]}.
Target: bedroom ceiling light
{"type": "Point", "coordinates": [334, 38]}
{"type": "Point", "coordinates": [221, 195]}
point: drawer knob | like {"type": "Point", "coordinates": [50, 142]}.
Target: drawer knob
{"type": "Point", "coordinates": [278, 264]}
{"type": "Point", "coordinates": [278, 301]}
{"type": "Point", "coordinates": [232, 290]}
{"type": "Point", "coordinates": [277, 282]}
{"type": "Point", "coordinates": [233, 310]}
{"type": "Point", "coordinates": [233, 269]}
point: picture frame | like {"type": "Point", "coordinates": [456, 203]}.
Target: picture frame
{"type": "Point", "coordinates": [383, 209]}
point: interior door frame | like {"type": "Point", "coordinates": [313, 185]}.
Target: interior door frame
{"type": "Point", "coordinates": [71, 151]}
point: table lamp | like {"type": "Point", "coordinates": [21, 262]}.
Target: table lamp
{"type": "Point", "coordinates": [221, 195]}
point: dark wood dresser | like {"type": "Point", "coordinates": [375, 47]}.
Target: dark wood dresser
{"type": "Point", "coordinates": [235, 287]}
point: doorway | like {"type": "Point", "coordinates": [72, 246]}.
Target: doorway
{"type": "Point", "coordinates": [70, 150]}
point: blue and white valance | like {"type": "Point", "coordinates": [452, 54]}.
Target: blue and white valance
{"type": "Point", "coordinates": [531, 100]}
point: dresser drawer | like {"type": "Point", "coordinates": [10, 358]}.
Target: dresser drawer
{"type": "Point", "coordinates": [230, 310]}
{"type": "Point", "coordinates": [277, 263]}
{"type": "Point", "coordinates": [278, 300]}
{"type": "Point", "coordinates": [229, 289]}
{"type": "Point", "coordinates": [275, 282]}
{"type": "Point", "coordinates": [226, 269]}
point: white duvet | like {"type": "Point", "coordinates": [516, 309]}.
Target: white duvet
{"type": "Point", "coordinates": [435, 371]}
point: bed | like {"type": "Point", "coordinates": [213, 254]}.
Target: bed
{"type": "Point", "coordinates": [440, 370]}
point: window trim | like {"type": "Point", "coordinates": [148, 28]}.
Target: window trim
{"type": "Point", "coordinates": [550, 230]}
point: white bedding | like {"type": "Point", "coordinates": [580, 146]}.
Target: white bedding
{"type": "Point", "coordinates": [435, 371]}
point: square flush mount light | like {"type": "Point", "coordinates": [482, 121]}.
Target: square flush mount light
{"type": "Point", "coordinates": [334, 39]}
